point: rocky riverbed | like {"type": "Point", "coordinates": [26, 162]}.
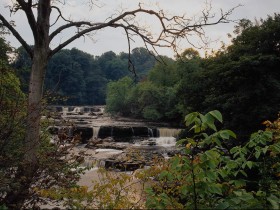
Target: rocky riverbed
{"type": "Point", "coordinates": [120, 145]}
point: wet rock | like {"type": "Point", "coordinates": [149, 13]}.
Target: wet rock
{"type": "Point", "coordinates": [93, 114]}
{"type": "Point", "coordinates": [123, 165]}
{"type": "Point", "coordinates": [108, 139]}
{"type": "Point", "coordinates": [85, 133]}
{"type": "Point", "coordinates": [93, 142]}
{"type": "Point", "coordinates": [122, 133]}
{"type": "Point", "coordinates": [53, 130]}
{"type": "Point", "coordinates": [149, 142]}
{"type": "Point", "coordinates": [141, 131]}
{"type": "Point", "coordinates": [105, 131]}
{"type": "Point", "coordinates": [107, 145]}
{"type": "Point", "coordinates": [125, 133]}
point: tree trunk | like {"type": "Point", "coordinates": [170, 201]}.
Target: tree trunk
{"type": "Point", "coordinates": [29, 166]}
{"type": "Point", "coordinates": [34, 105]}
{"type": "Point", "coordinates": [27, 170]}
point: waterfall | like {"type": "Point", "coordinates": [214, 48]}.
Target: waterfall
{"type": "Point", "coordinates": [77, 110]}
{"type": "Point", "coordinates": [64, 110]}
{"type": "Point", "coordinates": [168, 132]}
{"type": "Point", "coordinates": [150, 132]}
{"type": "Point", "coordinates": [165, 141]}
{"type": "Point", "coordinates": [95, 131]}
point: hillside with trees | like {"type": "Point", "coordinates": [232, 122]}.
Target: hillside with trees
{"type": "Point", "coordinates": [241, 80]}
{"type": "Point", "coordinates": [78, 78]}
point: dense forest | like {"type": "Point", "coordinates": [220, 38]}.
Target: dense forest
{"type": "Point", "coordinates": [241, 80]}
{"type": "Point", "coordinates": [77, 78]}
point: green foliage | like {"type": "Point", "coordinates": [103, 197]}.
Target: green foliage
{"type": "Point", "coordinates": [12, 117]}
{"type": "Point", "coordinates": [153, 99]}
{"type": "Point", "coordinates": [117, 96]}
{"type": "Point", "coordinates": [241, 80]}
{"type": "Point", "coordinates": [208, 175]}
{"type": "Point", "coordinates": [81, 77]}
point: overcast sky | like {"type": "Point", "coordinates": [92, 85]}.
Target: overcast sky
{"type": "Point", "coordinates": [115, 40]}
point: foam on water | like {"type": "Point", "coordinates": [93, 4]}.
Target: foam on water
{"type": "Point", "coordinates": [109, 150]}
{"type": "Point", "coordinates": [166, 141]}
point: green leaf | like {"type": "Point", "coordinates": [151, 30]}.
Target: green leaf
{"type": "Point", "coordinates": [223, 173]}
{"type": "Point", "coordinates": [235, 200]}
{"type": "Point", "coordinates": [217, 115]}
{"type": "Point", "coordinates": [163, 174]}
{"type": "Point", "coordinates": [224, 134]}
{"type": "Point", "coordinates": [210, 121]}
{"type": "Point", "coordinates": [190, 118]}
{"type": "Point", "coordinates": [243, 172]}
{"type": "Point", "coordinates": [211, 175]}
{"type": "Point", "coordinates": [174, 162]}
{"type": "Point", "coordinates": [223, 205]}
{"type": "Point", "coordinates": [234, 150]}
{"type": "Point", "coordinates": [249, 164]}
{"type": "Point", "coordinates": [257, 154]}
{"type": "Point", "coordinates": [275, 147]}
{"type": "Point", "coordinates": [181, 141]}
{"type": "Point", "coordinates": [231, 133]}
{"type": "Point", "coordinates": [184, 190]}
{"type": "Point", "coordinates": [274, 201]}
{"type": "Point", "coordinates": [214, 188]}
{"type": "Point", "coordinates": [238, 193]}
{"type": "Point", "coordinates": [264, 150]}
{"type": "Point", "coordinates": [239, 183]}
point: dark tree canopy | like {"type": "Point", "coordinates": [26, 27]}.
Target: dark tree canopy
{"type": "Point", "coordinates": [242, 81]}
{"type": "Point", "coordinates": [82, 78]}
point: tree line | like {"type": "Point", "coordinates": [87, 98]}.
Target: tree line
{"type": "Point", "coordinates": [78, 78]}
{"type": "Point", "coordinates": [241, 80]}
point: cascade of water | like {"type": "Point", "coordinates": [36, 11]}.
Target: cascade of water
{"type": "Point", "coordinates": [64, 110]}
{"type": "Point", "coordinates": [102, 109]}
{"type": "Point", "coordinates": [95, 131]}
{"type": "Point", "coordinates": [150, 132]}
{"type": "Point", "coordinates": [132, 130]}
{"type": "Point", "coordinates": [77, 110]}
{"type": "Point", "coordinates": [169, 132]}
{"type": "Point", "coordinates": [166, 141]}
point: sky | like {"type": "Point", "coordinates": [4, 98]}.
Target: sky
{"type": "Point", "coordinates": [115, 39]}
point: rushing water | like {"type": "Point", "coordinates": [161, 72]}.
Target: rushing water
{"type": "Point", "coordinates": [151, 139]}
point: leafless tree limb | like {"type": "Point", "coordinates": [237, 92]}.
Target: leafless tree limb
{"type": "Point", "coordinates": [17, 35]}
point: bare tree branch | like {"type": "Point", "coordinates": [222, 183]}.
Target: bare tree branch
{"type": "Point", "coordinates": [72, 24]}
{"type": "Point", "coordinates": [27, 8]}
{"type": "Point", "coordinates": [17, 36]}
{"type": "Point", "coordinates": [173, 28]}
{"type": "Point", "coordinates": [59, 16]}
